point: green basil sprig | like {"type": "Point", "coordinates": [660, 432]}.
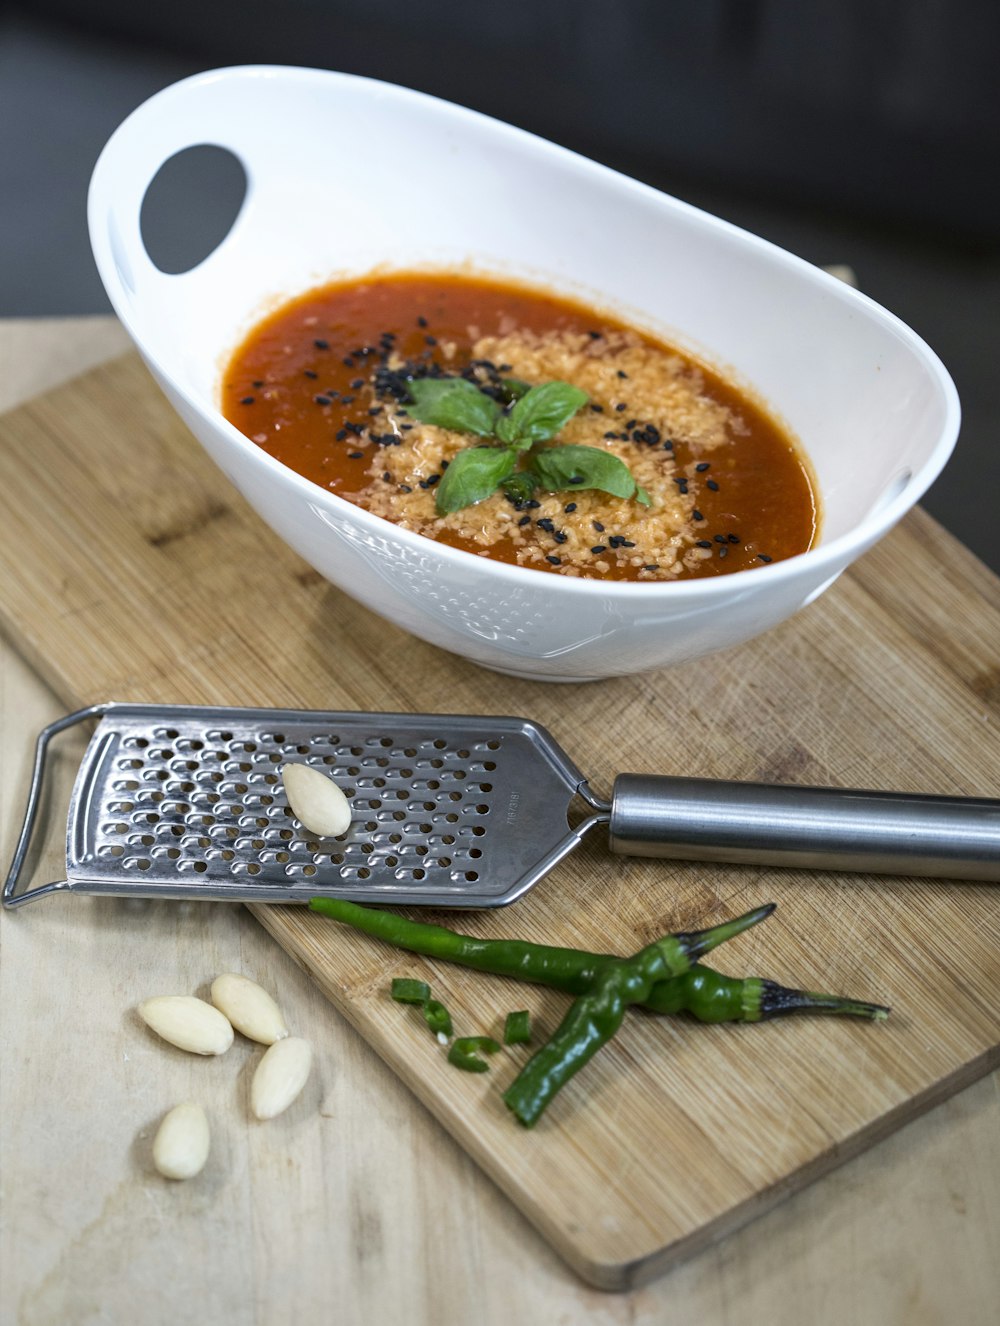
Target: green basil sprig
{"type": "Point", "coordinates": [536, 415]}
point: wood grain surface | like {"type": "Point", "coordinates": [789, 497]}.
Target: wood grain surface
{"type": "Point", "coordinates": [142, 576]}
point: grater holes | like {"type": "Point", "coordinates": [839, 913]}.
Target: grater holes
{"type": "Point", "coordinates": [475, 852]}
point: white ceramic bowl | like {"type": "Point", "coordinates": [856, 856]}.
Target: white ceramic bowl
{"type": "Point", "coordinates": [346, 175]}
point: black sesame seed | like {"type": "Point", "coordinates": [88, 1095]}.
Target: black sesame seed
{"type": "Point", "coordinates": [627, 543]}
{"type": "Point", "coordinates": [357, 383]}
{"type": "Point", "coordinates": [616, 541]}
{"type": "Point", "coordinates": [341, 435]}
{"type": "Point", "coordinates": [598, 526]}
{"type": "Point", "coordinates": [724, 552]}
{"type": "Point", "coordinates": [432, 479]}
{"type": "Point", "coordinates": [764, 557]}
{"type": "Point", "coordinates": [576, 478]}
{"type": "Point", "coordinates": [702, 466]}
{"type": "Point", "coordinates": [621, 406]}
{"type": "Point", "coordinates": [622, 373]}
{"type": "Point", "coordinates": [713, 485]}
{"type": "Point", "coordinates": [444, 465]}
{"type": "Point", "coordinates": [651, 566]}
{"type": "Point", "coordinates": [598, 409]}
{"type": "Point", "coordinates": [430, 340]}
{"type": "Point", "coordinates": [546, 524]}
{"type": "Point", "coordinates": [247, 400]}
{"type": "Point", "coordinates": [599, 548]}
{"type": "Point", "coordinates": [321, 344]}
{"type": "Point", "coordinates": [696, 515]}
{"type": "Point", "coordinates": [355, 455]}
{"type": "Point", "coordinates": [322, 400]}
{"type": "Point", "coordinates": [386, 476]}
{"type": "Point", "coordinates": [733, 538]}
{"type": "Point", "coordinates": [556, 561]}
{"type": "Point", "coordinates": [405, 488]}
{"type": "Point", "coordinates": [348, 361]}
{"type": "Point", "coordinates": [559, 536]}
{"type": "Point", "coordinates": [258, 382]}
{"type": "Point", "coordinates": [525, 520]}
{"type": "Point", "coordinates": [719, 538]}
{"type": "Point", "coordinates": [594, 335]}
{"type": "Point", "coordinates": [703, 543]}
{"type": "Point", "coordinates": [570, 506]}
{"type": "Point", "coordinates": [532, 504]}
{"type": "Point", "coordinates": [374, 409]}
{"type": "Point", "coordinates": [668, 445]}
{"type": "Point", "coordinates": [421, 322]}
{"type": "Point", "coordinates": [348, 400]}
{"type": "Point", "coordinates": [611, 436]}
{"type": "Point", "coordinates": [307, 372]}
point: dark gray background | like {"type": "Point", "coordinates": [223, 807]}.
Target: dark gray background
{"type": "Point", "coordinates": [864, 132]}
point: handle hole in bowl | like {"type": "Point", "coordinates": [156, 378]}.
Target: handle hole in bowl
{"type": "Point", "coordinates": [190, 206]}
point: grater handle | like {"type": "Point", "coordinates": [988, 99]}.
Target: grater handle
{"type": "Point", "coordinates": [10, 897]}
{"type": "Point", "coordinates": [890, 833]}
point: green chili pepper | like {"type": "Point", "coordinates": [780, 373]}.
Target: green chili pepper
{"type": "Point", "coordinates": [711, 997]}
{"type": "Point", "coordinates": [567, 969]}
{"type": "Point", "coordinates": [706, 994]}
{"type": "Point", "coordinates": [592, 1020]}
{"type": "Point", "coordinates": [463, 1053]}
{"type": "Point", "coordinates": [410, 992]}
{"type": "Point", "coordinates": [517, 1028]}
{"type": "Point", "coordinates": [438, 1018]}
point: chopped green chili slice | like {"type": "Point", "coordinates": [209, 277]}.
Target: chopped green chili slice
{"type": "Point", "coordinates": [438, 1018]}
{"type": "Point", "coordinates": [463, 1053]}
{"type": "Point", "coordinates": [409, 991]}
{"type": "Point", "coordinates": [517, 1028]}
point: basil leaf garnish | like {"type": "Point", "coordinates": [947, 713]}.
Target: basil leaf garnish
{"type": "Point", "coordinates": [540, 413]}
{"type": "Point", "coordinates": [452, 403]}
{"type": "Point", "coordinates": [512, 389]}
{"type": "Point", "coordinates": [583, 467]}
{"type": "Point", "coordinates": [472, 476]}
{"type": "Point", "coordinates": [520, 486]}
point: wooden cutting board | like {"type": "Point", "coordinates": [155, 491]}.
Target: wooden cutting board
{"type": "Point", "coordinates": [136, 573]}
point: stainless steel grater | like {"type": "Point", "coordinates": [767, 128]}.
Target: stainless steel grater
{"type": "Point", "coordinates": [449, 811]}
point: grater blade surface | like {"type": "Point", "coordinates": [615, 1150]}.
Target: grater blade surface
{"type": "Point", "coordinates": [449, 810]}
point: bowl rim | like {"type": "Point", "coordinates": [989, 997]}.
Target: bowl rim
{"type": "Point", "coordinates": [829, 557]}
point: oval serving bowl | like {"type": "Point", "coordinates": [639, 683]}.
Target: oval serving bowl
{"type": "Point", "coordinates": [347, 175]}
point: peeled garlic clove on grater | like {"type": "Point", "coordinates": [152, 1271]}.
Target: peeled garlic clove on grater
{"type": "Point", "coordinates": [280, 1076]}
{"type": "Point", "coordinates": [250, 1009]}
{"type": "Point", "coordinates": [187, 1022]}
{"type": "Point", "coordinates": [180, 1147]}
{"type": "Point", "coordinates": [316, 801]}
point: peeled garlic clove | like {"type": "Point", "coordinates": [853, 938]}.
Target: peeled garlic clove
{"type": "Point", "coordinates": [187, 1022]}
{"type": "Point", "coordinates": [280, 1076]}
{"type": "Point", "coordinates": [180, 1147]}
{"type": "Point", "coordinates": [316, 801]}
{"type": "Point", "coordinates": [250, 1009]}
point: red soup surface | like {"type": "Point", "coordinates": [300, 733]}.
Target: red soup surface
{"type": "Point", "coordinates": [323, 385]}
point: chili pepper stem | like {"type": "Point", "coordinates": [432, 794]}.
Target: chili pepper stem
{"type": "Point", "coordinates": [703, 941]}
{"type": "Point", "coordinates": [777, 1000]}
